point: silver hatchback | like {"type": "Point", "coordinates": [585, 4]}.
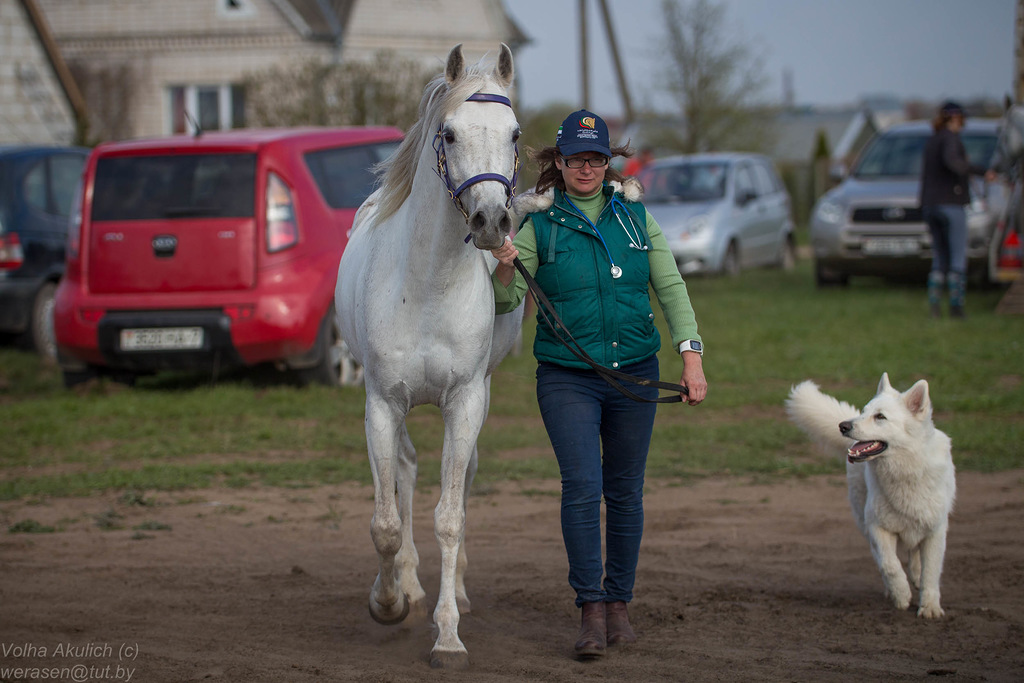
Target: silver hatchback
{"type": "Point", "coordinates": [871, 224]}
{"type": "Point", "coordinates": [721, 212]}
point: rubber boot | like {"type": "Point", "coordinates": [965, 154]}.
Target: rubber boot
{"type": "Point", "coordinates": [619, 630]}
{"type": "Point", "coordinates": [936, 285]}
{"type": "Point", "coordinates": [957, 290]}
{"type": "Point", "coordinates": [592, 640]}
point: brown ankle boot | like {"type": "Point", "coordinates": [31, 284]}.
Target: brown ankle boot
{"type": "Point", "coordinates": [619, 630]}
{"type": "Point", "coordinates": [592, 640]}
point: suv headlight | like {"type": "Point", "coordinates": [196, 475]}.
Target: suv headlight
{"type": "Point", "coordinates": [828, 212]}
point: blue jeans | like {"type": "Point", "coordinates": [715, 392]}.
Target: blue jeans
{"type": "Point", "coordinates": [947, 224]}
{"type": "Point", "coordinates": [600, 439]}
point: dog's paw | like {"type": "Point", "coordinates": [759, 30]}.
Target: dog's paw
{"type": "Point", "coordinates": [900, 596]}
{"type": "Point", "coordinates": [931, 611]}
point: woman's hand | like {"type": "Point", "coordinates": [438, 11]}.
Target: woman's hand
{"type": "Point", "coordinates": [693, 378]}
{"type": "Point", "coordinates": [505, 254]}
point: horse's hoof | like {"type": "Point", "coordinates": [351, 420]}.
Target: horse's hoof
{"type": "Point", "coordinates": [453, 661]}
{"type": "Point", "coordinates": [395, 614]}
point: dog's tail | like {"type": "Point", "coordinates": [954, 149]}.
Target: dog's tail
{"type": "Point", "coordinates": [819, 415]}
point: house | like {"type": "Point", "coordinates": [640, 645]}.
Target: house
{"type": "Point", "coordinates": [146, 66]}
{"type": "Point", "coordinates": [39, 102]}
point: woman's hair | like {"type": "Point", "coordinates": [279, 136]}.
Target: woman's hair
{"type": "Point", "coordinates": [550, 176]}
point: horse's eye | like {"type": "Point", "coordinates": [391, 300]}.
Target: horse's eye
{"type": "Point", "coordinates": [449, 137]}
{"type": "Point", "coordinates": [879, 416]}
{"type": "Point", "coordinates": [515, 136]}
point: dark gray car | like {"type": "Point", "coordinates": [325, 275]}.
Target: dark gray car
{"type": "Point", "coordinates": [871, 224]}
{"type": "Point", "coordinates": [37, 184]}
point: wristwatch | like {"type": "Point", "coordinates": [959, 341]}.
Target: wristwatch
{"type": "Point", "coordinates": [691, 345]}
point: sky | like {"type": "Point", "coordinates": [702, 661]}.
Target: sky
{"type": "Point", "coordinates": [837, 51]}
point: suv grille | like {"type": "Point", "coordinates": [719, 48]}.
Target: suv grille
{"type": "Point", "coordinates": [888, 214]}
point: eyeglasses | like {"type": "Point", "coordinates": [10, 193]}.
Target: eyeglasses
{"type": "Point", "coordinates": [577, 162]}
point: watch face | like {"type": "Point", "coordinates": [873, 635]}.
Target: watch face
{"type": "Point", "coordinates": [695, 346]}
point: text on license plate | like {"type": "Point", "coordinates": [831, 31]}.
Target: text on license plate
{"type": "Point", "coordinates": [890, 246]}
{"type": "Point", "coordinates": [161, 338]}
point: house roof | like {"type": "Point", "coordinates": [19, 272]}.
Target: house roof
{"type": "Point", "coordinates": [317, 19]}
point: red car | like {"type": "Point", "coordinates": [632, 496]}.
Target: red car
{"type": "Point", "coordinates": [209, 251]}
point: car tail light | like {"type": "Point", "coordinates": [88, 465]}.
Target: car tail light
{"type": "Point", "coordinates": [11, 254]}
{"type": "Point", "coordinates": [282, 229]}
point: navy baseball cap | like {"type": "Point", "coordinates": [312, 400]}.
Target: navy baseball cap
{"type": "Point", "coordinates": [951, 108]}
{"type": "Point", "coordinates": [583, 131]}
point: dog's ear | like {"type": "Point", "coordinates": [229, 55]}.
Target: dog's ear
{"type": "Point", "coordinates": [883, 384]}
{"type": "Point", "coordinates": [917, 400]}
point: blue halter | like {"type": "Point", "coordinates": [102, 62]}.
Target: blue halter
{"type": "Point", "coordinates": [442, 162]}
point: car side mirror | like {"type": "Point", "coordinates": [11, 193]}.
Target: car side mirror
{"type": "Point", "coordinates": [745, 197]}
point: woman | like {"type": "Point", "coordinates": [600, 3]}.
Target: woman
{"type": "Point", "coordinates": [945, 191]}
{"type": "Point", "coordinates": [595, 251]}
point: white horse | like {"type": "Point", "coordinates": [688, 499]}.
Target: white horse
{"type": "Point", "coordinates": [416, 307]}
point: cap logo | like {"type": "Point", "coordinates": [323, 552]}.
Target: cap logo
{"type": "Point", "coordinates": [588, 122]}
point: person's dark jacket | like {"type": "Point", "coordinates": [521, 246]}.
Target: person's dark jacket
{"type": "Point", "coordinates": [945, 169]}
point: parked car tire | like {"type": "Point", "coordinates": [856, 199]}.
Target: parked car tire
{"type": "Point", "coordinates": [335, 365]}
{"type": "Point", "coordinates": [787, 259]}
{"type": "Point", "coordinates": [41, 327]}
{"type": "Point", "coordinates": [731, 261]}
{"type": "Point", "coordinates": [823, 277]}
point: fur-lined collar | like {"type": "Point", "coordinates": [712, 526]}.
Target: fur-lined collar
{"type": "Point", "coordinates": [529, 202]}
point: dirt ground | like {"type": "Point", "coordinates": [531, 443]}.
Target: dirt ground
{"type": "Point", "coordinates": [738, 581]}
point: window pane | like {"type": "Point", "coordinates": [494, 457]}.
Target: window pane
{"type": "Point", "coordinates": [65, 171]}
{"type": "Point", "coordinates": [344, 174]}
{"type": "Point", "coordinates": [237, 106]}
{"type": "Point", "coordinates": [209, 108]}
{"type": "Point", "coordinates": [180, 186]}
{"type": "Point", "coordinates": [34, 186]}
{"type": "Point", "coordinates": [177, 109]}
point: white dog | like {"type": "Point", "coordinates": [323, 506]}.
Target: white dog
{"type": "Point", "coordinates": [900, 476]}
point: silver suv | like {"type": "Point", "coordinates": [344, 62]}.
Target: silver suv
{"type": "Point", "coordinates": [870, 224]}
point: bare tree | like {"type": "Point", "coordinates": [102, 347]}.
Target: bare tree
{"type": "Point", "coordinates": [716, 82]}
{"type": "Point", "coordinates": [385, 90]}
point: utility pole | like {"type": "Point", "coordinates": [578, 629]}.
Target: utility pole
{"type": "Point", "coordinates": [627, 102]}
{"type": "Point", "coordinates": [584, 59]}
{"type": "Point", "coordinates": [1018, 54]}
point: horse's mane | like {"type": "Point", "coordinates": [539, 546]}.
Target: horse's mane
{"type": "Point", "coordinates": [396, 173]}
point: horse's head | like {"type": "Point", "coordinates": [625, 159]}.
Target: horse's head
{"type": "Point", "coordinates": [476, 147]}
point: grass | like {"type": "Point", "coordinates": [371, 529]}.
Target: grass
{"type": "Point", "coordinates": [763, 331]}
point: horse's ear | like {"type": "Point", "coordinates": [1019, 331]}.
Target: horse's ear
{"type": "Point", "coordinates": [456, 65]}
{"type": "Point", "coordinates": [503, 70]}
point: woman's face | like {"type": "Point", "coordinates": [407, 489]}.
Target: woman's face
{"type": "Point", "coordinates": [585, 181]}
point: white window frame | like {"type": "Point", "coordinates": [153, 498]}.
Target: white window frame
{"type": "Point", "coordinates": [191, 93]}
{"type": "Point", "coordinates": [235, 8]}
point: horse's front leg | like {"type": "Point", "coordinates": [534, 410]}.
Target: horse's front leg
{"type": "Point", "coordinates": [388, 602]}
{"type": "Point", "coordinates": [463, 417]}
{"type": "Point", "coordinates": [407, 561]}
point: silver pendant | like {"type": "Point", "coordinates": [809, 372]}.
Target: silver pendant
{"type": "Point", "coordinates": [616, 272]}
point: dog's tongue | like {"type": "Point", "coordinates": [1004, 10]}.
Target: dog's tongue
{"type": "Point", "coordinates": [865, 449]}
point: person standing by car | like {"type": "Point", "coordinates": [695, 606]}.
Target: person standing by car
{"type": "Point", "coordinates": [595, 251]}
{"type": "Point", "coordinates": [945, 191]}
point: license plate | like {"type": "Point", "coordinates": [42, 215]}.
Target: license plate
{"type": "Point", "coordinates": [891, 246]}
{"type": "Point", "coordinates": [162, 338]}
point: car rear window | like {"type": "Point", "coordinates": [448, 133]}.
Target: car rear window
{"type": "Point", "coordinates": [175, 186]}
{"type": "Point", "coordinates": [344, 174]}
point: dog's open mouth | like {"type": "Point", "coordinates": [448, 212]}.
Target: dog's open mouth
{"type": "Point", "coordinates": [865, 450]}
